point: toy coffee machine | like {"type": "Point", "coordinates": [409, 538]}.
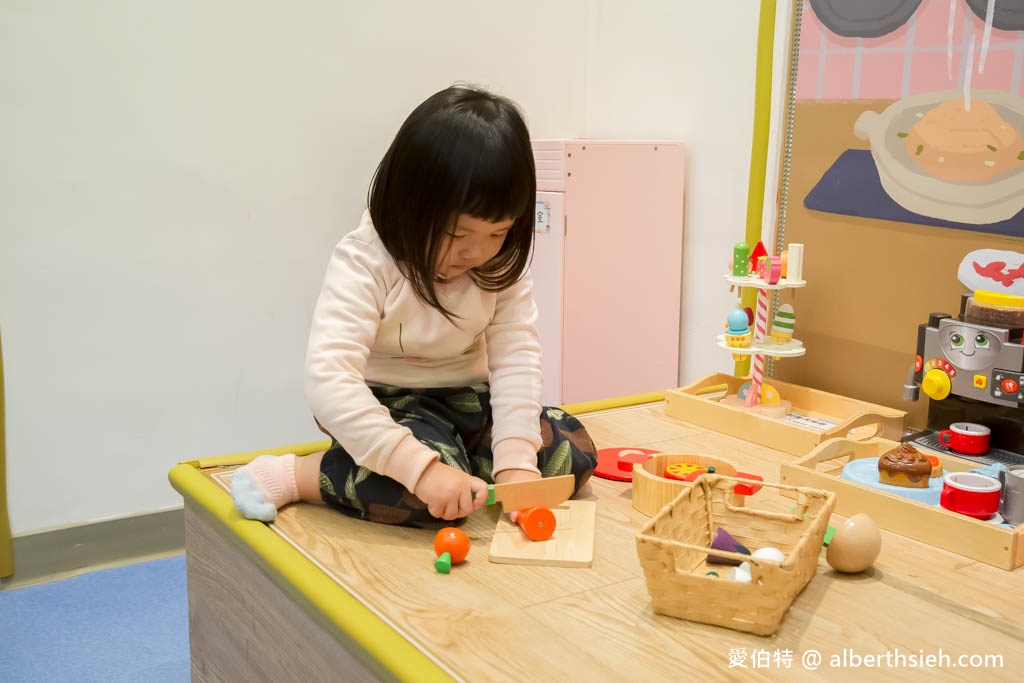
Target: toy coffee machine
{"type": "Point", "coordinates": [971, 366]}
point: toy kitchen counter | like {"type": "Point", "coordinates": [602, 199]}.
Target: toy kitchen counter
{"type": "Point", "coordinates": [319, 596]}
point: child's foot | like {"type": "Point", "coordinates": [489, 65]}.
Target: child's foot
{"type": "Point", "coordinates": [264, 485]}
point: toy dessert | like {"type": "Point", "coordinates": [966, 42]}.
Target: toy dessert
{"type": "Point", "coordinates": [738, 334]}
{"type": "Point", "coordinates": [783, 324]}
{"type": "Point", "coordinates": [904, 466]}
{"type": "Point", "coordinates": [995, 308]}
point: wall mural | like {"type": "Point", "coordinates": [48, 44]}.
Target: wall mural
{"type": "Point", "coordinates": [934, 91]}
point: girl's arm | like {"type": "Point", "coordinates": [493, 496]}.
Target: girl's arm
{"type": "Point", "coordinates": [345, 323]}
{"type": "Point", "coordinates": [513, 356]}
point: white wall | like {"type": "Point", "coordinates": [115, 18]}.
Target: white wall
{"type": "Point", "coordinates": [685, 70]}
{"type": "Point", "coordinates": [175, 175]}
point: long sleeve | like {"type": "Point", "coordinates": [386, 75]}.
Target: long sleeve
{"type": "Point", "coordinates": [345, 324]}
{"type": "Point", "coordinates": [514, 363]}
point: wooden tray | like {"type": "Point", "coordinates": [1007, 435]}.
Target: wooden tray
{"type": "Point", "coordinates": [700, 404]}
{"type": "Point", "coordinates": [937, 526]}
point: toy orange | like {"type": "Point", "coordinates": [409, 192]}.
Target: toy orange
{"type": "Point", "coordinates": [451, 546]}
{"type": "Point", "coordinates": [684, 471]}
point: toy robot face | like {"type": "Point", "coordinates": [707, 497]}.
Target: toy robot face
{"type": "Point", "coordinates": [969, 348]}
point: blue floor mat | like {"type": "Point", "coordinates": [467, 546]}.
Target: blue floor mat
{"type": "Point", "coordinates": [123, 624]}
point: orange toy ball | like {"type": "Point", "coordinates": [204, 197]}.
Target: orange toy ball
{"type": "Point", "coordinates": [453, 541]}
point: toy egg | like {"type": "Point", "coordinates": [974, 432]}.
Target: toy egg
{"type": "Point", "coordinates": [855, 545]}
{"type": "Point", "coordinates": [769, 553]}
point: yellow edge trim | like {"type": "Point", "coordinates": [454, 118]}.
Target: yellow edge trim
{"type": "Point", "coordinates": [759, 145]}
{"type": "Point", "coordinates": [243, 458]}
{"type": "Point", "coordinates": [609, 403]}
{"type": "Point", "coordinates": [379, 640]}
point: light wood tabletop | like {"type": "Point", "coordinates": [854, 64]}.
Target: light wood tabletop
{"type": "Point", "coordinates": [487, 621]}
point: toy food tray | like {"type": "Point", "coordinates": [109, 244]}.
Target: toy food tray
{"type": "Point", "coordinates": [983, 541]}
{"type": "Point", "coordinates": [813, 417]}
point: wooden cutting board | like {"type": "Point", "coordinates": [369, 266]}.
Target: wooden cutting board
{"type": "Point", "coordinates": [572, 544]}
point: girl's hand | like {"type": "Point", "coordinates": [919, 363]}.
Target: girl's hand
{"type": "Point", "coordinates": [449, 492]}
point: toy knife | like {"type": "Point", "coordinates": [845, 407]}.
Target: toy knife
{"type": "Point", "coordinates": [550, 492]}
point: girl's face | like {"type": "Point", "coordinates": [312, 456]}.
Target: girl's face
{"type": "Point", "coordinates": [471, 243]}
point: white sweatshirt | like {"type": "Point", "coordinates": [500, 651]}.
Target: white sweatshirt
{"type": "Point", "coordinates": [370, 328]}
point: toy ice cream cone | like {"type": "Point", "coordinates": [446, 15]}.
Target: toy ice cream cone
{"type": "Point", "coordinates": [739, 341]}
{"type": "Point", "coordinates": [783, 324]}
{"type": "Point", "coordinates": [738, 335]}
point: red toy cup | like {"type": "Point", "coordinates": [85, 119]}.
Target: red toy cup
{"type": "Point", "coordinates": [966, 437]}
{"type": "Point", "coordinates": [971, 494]}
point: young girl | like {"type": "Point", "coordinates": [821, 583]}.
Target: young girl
{"type": "Point", "coordinates": [424, 361]}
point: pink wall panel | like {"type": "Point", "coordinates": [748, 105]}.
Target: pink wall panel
{"type": "Point", "coordinates": [623, 272]}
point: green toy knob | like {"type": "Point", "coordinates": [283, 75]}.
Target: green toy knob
{"type": "Point", "coordinates": [443, 563]}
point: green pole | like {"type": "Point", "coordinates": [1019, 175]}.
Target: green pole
{"type": "Point", "coordinates": [759, 146]}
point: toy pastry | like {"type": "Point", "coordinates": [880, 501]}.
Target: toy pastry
{"type": "Point", "coordinates": [904, 466]}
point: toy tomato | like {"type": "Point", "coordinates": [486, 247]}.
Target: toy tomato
{"type": "Point", "coordinates": [453, 541]}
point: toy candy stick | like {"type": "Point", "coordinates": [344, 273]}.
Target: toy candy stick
{"type": "Point", "coordinates": [760, 330]}
{"type": "Point", "coordinates": [754, 394]}
{"type": "Point", "coordinates": [761, 317]}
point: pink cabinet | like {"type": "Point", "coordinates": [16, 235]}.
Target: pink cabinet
{"type": "Point", "coordinates": [607, 266]}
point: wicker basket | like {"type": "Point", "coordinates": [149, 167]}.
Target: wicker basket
{"type": "Point", "coordinates": [674, 546]}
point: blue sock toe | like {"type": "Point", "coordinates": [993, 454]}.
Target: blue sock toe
{"type": "Point", "coordinates": [248, 499]}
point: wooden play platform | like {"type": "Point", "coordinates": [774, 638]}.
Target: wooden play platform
{"type": "Point", "coordinates": [317, 596]}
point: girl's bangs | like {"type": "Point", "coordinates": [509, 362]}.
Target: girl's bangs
{"type": "Point", "coordinates": [500, 186]}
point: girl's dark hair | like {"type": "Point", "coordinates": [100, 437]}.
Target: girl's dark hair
{"type": "Point", "coordinates": [463, 150]}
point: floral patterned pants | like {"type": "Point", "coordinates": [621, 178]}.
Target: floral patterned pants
{"type": "Point", "coordinates": [455, 422]}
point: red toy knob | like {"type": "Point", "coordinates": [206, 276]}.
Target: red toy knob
{"type": "Point", "coordinates": [747, 489]}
